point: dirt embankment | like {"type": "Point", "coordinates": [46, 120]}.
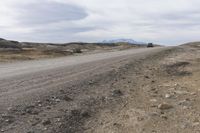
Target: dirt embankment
{"type": "Point", "coordinates": [155, 94]}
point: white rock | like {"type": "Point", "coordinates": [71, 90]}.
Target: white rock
{"type": "Point", "coordinates": [168, 96]}
{"type": "Point", "coordinates": [153, 100]}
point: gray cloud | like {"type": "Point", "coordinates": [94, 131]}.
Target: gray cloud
{"type": "Point", "coordinates": [49, 12]}
{"type": "Point", "coordinates": [159, 21]}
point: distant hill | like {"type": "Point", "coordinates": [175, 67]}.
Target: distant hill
{"type": "Point", "coordinates": [192, 44]}
{"type": "Point", "coordinates": [9, 44]}
{"type": "Point", "coordinates": [129, 41]}
{"type": "Point", "coordinates": [1, 39]}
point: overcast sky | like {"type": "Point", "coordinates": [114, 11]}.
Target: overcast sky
{"type": "Point", "coordinates": [167, 22]}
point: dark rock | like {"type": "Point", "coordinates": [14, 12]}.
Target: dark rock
{"type": "Point", "coordinates": [117, 93]}
{"type": "Point", "coordinates": [164, 106]}
{"type": "Point", "coordinates": [85, 114]}
{"type": "Point", "coordinates": [75, 112]}
{"type": "Point", "coordinates": [32, 110]}
{"type": "Point", "coordinates": [66, 98]}
{"type": "Point", "coordinates": [46, 122]}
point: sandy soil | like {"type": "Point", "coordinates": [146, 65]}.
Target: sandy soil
{"type": "Point", "coordinates": [152, 92]}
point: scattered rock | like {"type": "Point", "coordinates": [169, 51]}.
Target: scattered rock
{"type": "Point", "coordinates": [165, 106]}
{"type": "Point", "coordinates": [91, 82]}
{"type": "Point", "coordinates": [85, 114]}
{"type": "Point", "coordinates": [153, 100]}
{"type": "Point", "coordinates": [168, 96]}
{"type": "Point", "coordinates": [66, 98]}
{"type": "Point", "coordinates": [163, 116]}
{"type": "Point", "coordinates": [30, 132]}
{"type": "Point", "coordinates": [193, 93]}
{"type": "Point", "coordinates": [196, 120]}
{"type": "Point", "coordinates": [75, 112]}
{"type": "Point", "coordinates": [195, 124]}
{"type": "Point", "coordinates": [8, 118]}
{"type": "Point", "coordinates": [10, 108]}
{"type": "Point", "coordinates": [35, 121]}
{"type": "Point", "coordinates": [117, 125]}
{"type": "Point", "coordinates": [58, 119]}
{"type": "Point", "coordinates": [140, 118]}
{"type": "Point", "coordinates": [153, 114]}
{"type": "Point", "coordinates": [48, 107]}
{"type": "Point", "coordinates": [181, 92]}
{"type": "Point", "coordinates": [185, 107]}
{"type": "Point", "coordinates": [57, 100]}
{"type": "Point", "coordinates": [9, 121]}
{"type": "Point", "coordinates": [32, 110]}
{"type": "Point", "coordinates": [117, 93]}
{"type": "Point", "coordinates": [46, 122]}
{"type": "Point", "coordinates": [185, 102]}
{"type": "Point", "coordinates": [38, 102]}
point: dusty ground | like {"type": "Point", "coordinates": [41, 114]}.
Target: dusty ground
{"type": "Point", "coordinates": [160, 96]}
{"type": "Point", "coordinates": [158, 93]}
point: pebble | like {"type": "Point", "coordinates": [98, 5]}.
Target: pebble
{"type": "Point", "coordinates": [184, 103]}
{"type": "Point", "coordinates": [153, 100]}
{"type": "Point", "coordinates": [46, 122]}
{"type": "Point", "coordinates": [163, 116]}
{"type": "Point", "coordinates": [165, 106]}
{"type": "Point", "coordinates": [185, 107]}
{"type": "Point", "coordinates": [10, 108]}
{"type": "Point", "coordinates": [153, 114]}
{"type": "Point", "coordinates": [117, 93]}
{"type": "Point", "coordinates": [85, 114]}
{"type": "Point", "coordinates": [91, 82]}
{"type": "Point", "coordinates": [168, 96]}
{"type": "Point", "coordinates": [57, 100]}
{"type": "Point", "coordinates": [48, 107]}
{"type": "Point", "coordinates": [66, 98]}
{"type": "Point", "coordinates": [195, 124]}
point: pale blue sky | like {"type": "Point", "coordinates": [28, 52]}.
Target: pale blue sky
{"type": "Point", "coordinates": [167, 22]}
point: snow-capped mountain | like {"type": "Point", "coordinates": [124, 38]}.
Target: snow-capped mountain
{"type": "Point", "coordinates": [130, 41]}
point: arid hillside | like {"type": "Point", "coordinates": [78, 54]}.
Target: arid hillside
{"type": "Point", "coordinates": [14, 50]}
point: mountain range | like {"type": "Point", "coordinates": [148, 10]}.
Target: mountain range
{"type": "Point", "coordinates": [129, 41]}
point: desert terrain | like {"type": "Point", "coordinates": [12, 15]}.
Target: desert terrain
{"type": "Point", "coordinates": [11, 51]}
{"type": "Point", "coordinates": [127, 90]}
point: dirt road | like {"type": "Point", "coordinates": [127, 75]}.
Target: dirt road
{"type": "Point", "coordinates": [23, 80]}
{"type": "Point", "coordinates": [109, 92]}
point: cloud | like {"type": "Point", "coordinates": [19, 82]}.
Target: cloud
{"type": "Point", "coordinates": [49, 12]}
{"type": "Point", "coordinates": [158, 21]}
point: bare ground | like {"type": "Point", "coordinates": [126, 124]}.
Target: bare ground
{"type": "Point", "coordinates": [158, 93]}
